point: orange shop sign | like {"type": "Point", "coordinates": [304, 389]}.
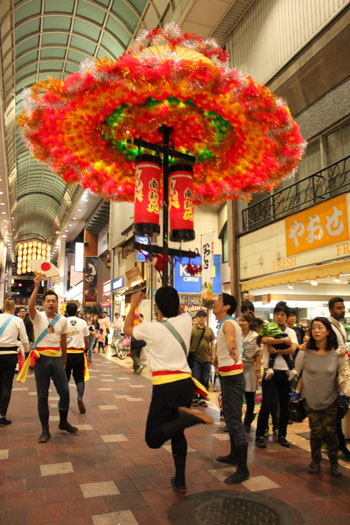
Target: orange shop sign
{"type": "Point", "coordinates": [321, 225]}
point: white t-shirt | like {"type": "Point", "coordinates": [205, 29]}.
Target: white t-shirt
{"type": "Point", "coordinates": [41, 321]}
{"type": "Point", "coordinates": [280, 363]}
{"type": "Point", "coordinates": [14, 330]}
{"type": "Point", "coordinates": [77, 330]}
{"type": "Point", "coordinates": [339, 331]}
{"type": "Point", "coordinates": [222, 352]}
{"type": "Point", "coordinates": [118, 324]}
{"type": "Point", "coordinates": [165, 352]}
{"type": "Point", "coordinates": [104, 324]}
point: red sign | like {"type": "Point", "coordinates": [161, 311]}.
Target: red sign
{"type": "Point", "coordinates": [180, 203]}
{"type": "Point", "coordinates": [147, 187]}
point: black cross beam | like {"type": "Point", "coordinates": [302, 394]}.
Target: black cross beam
{"type": "Point", "coordinates": [166, 151]}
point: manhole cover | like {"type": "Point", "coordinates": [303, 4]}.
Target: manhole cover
{"type": "Point", "coordinates": [233, 508]}
{"type": "Point", "coordinates": [236, 511]}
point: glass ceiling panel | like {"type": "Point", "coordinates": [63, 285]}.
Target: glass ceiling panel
{"type": "Point", "coordinates": [139, 5]}
{"type": "Point", "coordinates": [58, 39]}
{"type": "Point", "coordinates": [87, 10]}
{"type": "Point", "coordinates": [116, 28]}
{"type": "Point", "coordinates": [85, 28]}
{"type": "Point", "coordinates": [65, 6]}
{"type": "Point", "coordinates": [57, 22]}
{"type": "Point", "coordinates": [26, 45]}
{"type": "Point", "coordinates": [126, 14]}
{"type": "Point", "coordinates": [50, 65]}
{"type": "Point", "coordinates": [27, 29]}
{"type": "Point", "coordinates": [25, 71]}
{"type": "Point", "coordinates": [112, 45]}
{"type": "Point", "coordinates": [71, 68]}
{"type": "Point", "coordinates": [32, 56]}
{"type": "Point", "coordinates": [53, 52]}
{"type": "Point", "coordinates": [27, 10]}
{"type": "Point", "coordinates": [82, 43]}
{"type": "Point", "coordinates": [76, 56]}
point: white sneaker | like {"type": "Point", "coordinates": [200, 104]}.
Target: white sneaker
{"type": "Point", "coordinates": [268, 374]}
{"type": "Point", "coordinates": [293, 374]}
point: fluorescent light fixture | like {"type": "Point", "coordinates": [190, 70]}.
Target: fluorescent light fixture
{"type": "Point", "coordinates": [290, 286]}
{"type": "Point", "coordinates": [314, 283]}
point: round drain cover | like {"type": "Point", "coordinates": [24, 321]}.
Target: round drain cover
{"type": "Point", "coordinates": [236, 511]}
{"type": "Point", "coordinates": [233, 508]}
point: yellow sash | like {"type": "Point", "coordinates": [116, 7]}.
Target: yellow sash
{"type": "Point", "coordinates": [35, 354]}
{"type": "Point", "coordinates": [163, 377]}
{"type": "Point", "coordinates": [86, 364]}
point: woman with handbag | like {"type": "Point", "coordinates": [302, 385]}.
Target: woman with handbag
{"type": "Point", "coordinates": [320, 364]}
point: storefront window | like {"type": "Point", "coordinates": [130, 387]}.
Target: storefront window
{"type": "Point", "coordinates": [338, 144]}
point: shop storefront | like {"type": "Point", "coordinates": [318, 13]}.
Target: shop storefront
{"type": "Point", "coordinates": [106, 304]}
{"type": "Point", "coordinates": [303, 259]}
{"type": "Point", "coordinates": [189, 286]}
{"type": "Point", "coordinates": [118, 298]}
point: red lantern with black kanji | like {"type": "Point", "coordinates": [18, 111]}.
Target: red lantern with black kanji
{"type": "Point", "coordinates": [147, 187]}
{"type": "Point", "coordinates": [180, 202]}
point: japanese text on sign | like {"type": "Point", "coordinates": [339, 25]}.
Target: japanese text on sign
{"type": "Point", "coordinates": [318, 226]}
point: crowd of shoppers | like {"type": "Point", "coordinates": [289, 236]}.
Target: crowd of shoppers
{"type": "Point", "coordinates": [182, 354]}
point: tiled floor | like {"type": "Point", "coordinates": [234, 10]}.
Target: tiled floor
{"type": "Point", "coordinates": [105, 474]}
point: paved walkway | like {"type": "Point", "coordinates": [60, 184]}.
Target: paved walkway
{"type": "Point", "coordinates": [106, 474]}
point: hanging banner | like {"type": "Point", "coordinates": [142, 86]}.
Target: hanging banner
{"type": "Point", "coordinates": [90, 280]}
{"type": "Point", "coordinates": [207, 252]}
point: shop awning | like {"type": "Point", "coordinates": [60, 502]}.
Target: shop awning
{"type": "Point", "coordinates": [301, 275]}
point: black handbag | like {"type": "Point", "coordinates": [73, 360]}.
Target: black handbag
{"type": "Point", "coordinates": [296, 410]}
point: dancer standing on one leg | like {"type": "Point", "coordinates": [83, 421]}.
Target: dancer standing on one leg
{"type": "Point", "coordinates": [49, 357]}
{"type": "Point", "coordinates": [229, 351]}
{"type": "Point", "coordinates": [77, 345]}
{"type": "Point", "coordinates": [168, 341]}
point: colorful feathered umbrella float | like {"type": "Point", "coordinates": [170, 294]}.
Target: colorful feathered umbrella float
{"type": "Point", "coordinates": [242, 136]}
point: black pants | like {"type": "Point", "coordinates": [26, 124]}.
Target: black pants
{"type": "Point", "coordinates": [76, 364]}
{"type": "Point", "coordinates": [7, 371]}
{"type": "Point", "coordinates": [165, 401]}
{"type": "Point", "coordinates": [46, 368]}
{"type": "Point", "coordinates": [233, 388]}
{"type": "Point", "coordinates": [275, 389]}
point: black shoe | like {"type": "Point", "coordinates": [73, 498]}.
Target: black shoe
{"type": "Point", "coordinates": [345, 454]}
{"type": "Point", "coordinates": [44, 436]}
{"type": "Point", "coordinates": [314, 467]}
{"type": "Point", "coordinates": [81, 406]}
{"type": "Point", "coordinates": [178, 487]}
{"type": "Point", "coordinates": [68, 427]}
{"type": "Point", "coordinates": [260, 442]}
{"type": "Point", "coordinates": [282, 441]}
{"type": "Point", "coordinates": [335, 470]}
{"type": "Point", "coordinates": [4, 422]}
{"type": "Point", "coordinates": [240, 475]}
{"type": "Point", "coordinates": [232, 460]}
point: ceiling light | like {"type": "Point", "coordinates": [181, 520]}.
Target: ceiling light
{"type": "Point", "coordinates": [70, 224]}
{"type": "Point", "coordinates": [80, 210]}
{"type": "Point", "coordinates": [290, 286]}
{"type": "Point", "coordinates": [314, 283]}
{"type": "Point", "coordinates": [74, 218]}
{"type": "Point", "coordinates": [3, 213]}
{"type": "Point", "coordinates": [337, 279]}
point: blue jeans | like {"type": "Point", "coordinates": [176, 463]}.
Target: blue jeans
{"type": "Point", "coordinates": [233, 388]}
{"type": "Point", "coordinates": [201, 372]}
{"type": "Point", "coordinates": [91, 347]}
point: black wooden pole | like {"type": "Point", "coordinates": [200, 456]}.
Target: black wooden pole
{"type": "Point", "coordinates": [166, 131]}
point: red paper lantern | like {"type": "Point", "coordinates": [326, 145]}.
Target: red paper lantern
{"type": "Point", "coordinates": [180, 202]}
{"type": "Point", "coordinates": [147, 187]}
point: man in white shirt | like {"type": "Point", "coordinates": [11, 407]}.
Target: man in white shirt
{"type": "Point", "coordinates": [49, 352]}
{"type": "Point", "coordinates": [337, 313]}
{"type": "Point", "coordinates": [11, 328]}
{"type": "Point", "coordinates": [229, 351]}
{"type": "Point", "coordinates": [168, 342]}
{"type": "Point", "coordinates": [77, 345]}
{"type": "Point", "coordinates": [104, 325]}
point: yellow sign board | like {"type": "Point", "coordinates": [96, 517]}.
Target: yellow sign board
{"type": "Point", "coordinates": [321, 225]}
